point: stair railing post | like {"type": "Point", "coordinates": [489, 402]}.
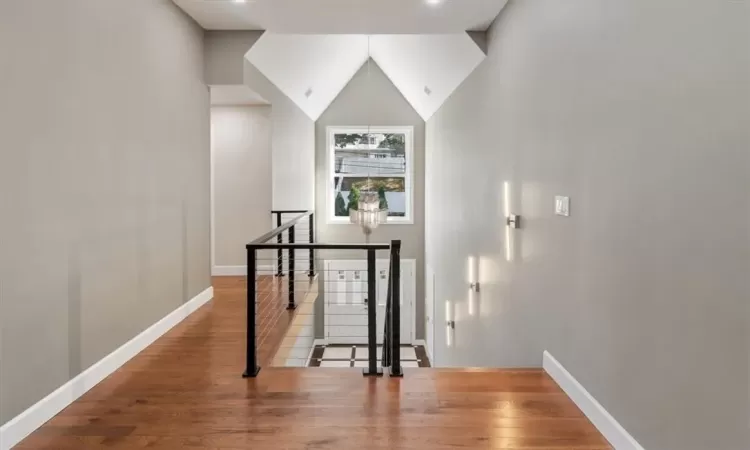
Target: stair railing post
{"type": "Point", "coordinates": [292, 304]}
{"type": "Point", "coordinates": [387, 329]}
{"type": "Point", "coordinates": [396, 370]}
{"type": "Point", "coordinates": [279, 252]}
{"type": "Point", "coordinates": [372, 321]}
{"type": "Point", "coordinates": [251, 357]}
{"type": "Point", "coordinates": [312, 241]}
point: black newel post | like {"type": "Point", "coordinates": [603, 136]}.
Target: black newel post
{"type": "Point", "coordinates": [251, 357]}
{"type": "Point", "coordinates": [291, 305]}
{"type": "Point", "coordinates": [396, 370]}
{"type": "Point", "coordinates": [372, 307]}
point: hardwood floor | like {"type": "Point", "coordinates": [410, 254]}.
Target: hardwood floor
{"type": "Point", "coordinates": [186, 392]}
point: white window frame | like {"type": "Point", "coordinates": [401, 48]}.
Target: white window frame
{"type": "Point", "coordinates": [408, 133]}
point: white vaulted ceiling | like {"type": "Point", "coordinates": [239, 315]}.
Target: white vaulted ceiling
{"type": "Point", "coordinates": [426, 68]}
{"type": "Point", "coordinates": [312, 69]}
{"type": "Point", "coordinates": [312, 48]}
{"type": "Point", "coordinates": [344, 16]}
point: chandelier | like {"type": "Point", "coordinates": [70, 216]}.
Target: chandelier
{"type": "Point", "coordinates": [368, 215]}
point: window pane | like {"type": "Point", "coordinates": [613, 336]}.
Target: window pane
{"type": "Point", "coordinates": [372, 154]}
{"type": "Point", "coordinates": [392, 192]}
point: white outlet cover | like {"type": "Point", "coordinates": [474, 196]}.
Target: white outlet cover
{"type": "Point", "coordinates": [562, 205]}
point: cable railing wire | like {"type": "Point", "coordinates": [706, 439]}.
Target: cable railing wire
{"type": "Point", "coordinates": [271, 298]}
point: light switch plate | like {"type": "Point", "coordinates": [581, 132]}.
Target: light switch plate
{"type": "Point", "coordinates": [562, 205]}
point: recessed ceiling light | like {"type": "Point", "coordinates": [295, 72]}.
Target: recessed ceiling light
{"type": "Point", "coordinates": [434, 2]}
{"type": "Point", "coordinates": [239, 1]}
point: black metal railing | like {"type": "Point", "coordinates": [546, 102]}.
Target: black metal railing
{"type": "Point", "coordinates": [392, 331]}
{"type": "Point", "coordinates": [392, 339]}
{"type": "Point", "coordinates": [292, 235]}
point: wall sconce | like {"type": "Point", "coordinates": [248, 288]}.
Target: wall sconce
{"type": "Point", "coordinates": [511, 221]}
{"type": "Point", "coordinates": [450, 324]}
{"type": "Point", "coordinates": [471, 278]}
{"type": "Point", "coordinates": [514, 221]}
{"type": "Point", "coordinates": [471, 273]}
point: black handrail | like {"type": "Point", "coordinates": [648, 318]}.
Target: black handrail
{"type": "Point", "coordinates": [316, 246]}
{"type": "Point", "coordinates": [289, 211]}
{"type": "Point", "coordinates": [393, 318]}
{"type": "Point", "coordinates": [282, 228]}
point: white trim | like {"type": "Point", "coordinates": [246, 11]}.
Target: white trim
{"type": "Point", "coordinates": [212, 197]}
{"type": "Point", "coordinates": [429, 354]}
{"type": "Point", "coordinates": [320, 342]}
{"type": "Point", "coordinates": [35, 416]}
{"type": "Point", "coordinates": [408, 131]}
{"type": "Point", "coordinates": [429, 312]}
{"type": "Point", "coordinates": [423, 343]}
{"type": "Point", "coordinates": [617, 436]}
{"type": "Point", "coordinates": [309, 355]}
{"type": "Point", "coordinates": [413, 264]}
{"type": "Point", "coordinates": [240, 271]}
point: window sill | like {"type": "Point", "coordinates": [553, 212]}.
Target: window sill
{"type": "Point", "coordinates": [399, 221]}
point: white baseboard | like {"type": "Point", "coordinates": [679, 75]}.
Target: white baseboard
{"type": "Point", "coordinates": [617, 436]}
{"type": "Point", "coordinates": [320, 342]}
{"type": "Point", "coordinates": [25, 423]}
{"type": "Point", "coordinates": [423, 343]}
{"type": "Point", "coordinates": [240, 271]}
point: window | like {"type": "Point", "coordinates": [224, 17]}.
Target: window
{"type": "Point", "coordinates": [377, 160]}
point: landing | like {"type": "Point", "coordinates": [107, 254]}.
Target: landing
{"type": "Point", "coordinates": [185, 392]}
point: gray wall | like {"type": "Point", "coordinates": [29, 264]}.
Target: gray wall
{"type": "Point", "coordinates": [370, 98]}
{"type": "Point", "coordinates": [104, 182]}
{"type": "Point", "coordinates": [224, 55]}
{"type": "Point", "coordinates": [292, 144]}
{"type": "Point", "coordinates": [293, 132]}
{"type": "Point", "coordinates": [638, 110]}
{"type": "Point", "coordinates": [241, 153]}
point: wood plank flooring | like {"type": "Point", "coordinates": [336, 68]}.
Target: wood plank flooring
{"type": "Point", "coordinates": [186, 392]}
